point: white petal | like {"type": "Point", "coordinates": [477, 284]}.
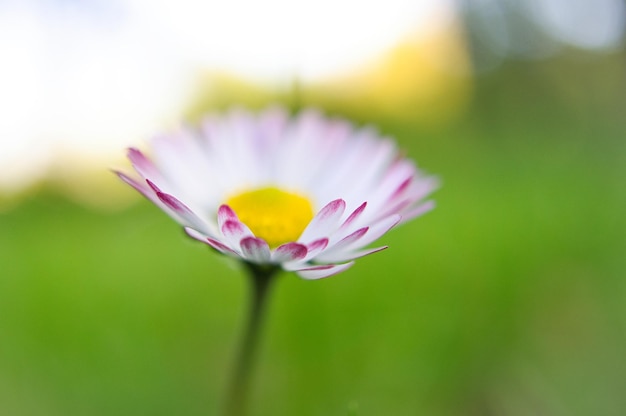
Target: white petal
{"type": "Point", "coordinates": [417, 211]}
{"type": "Point", "coordinates": [217, 245]}
{"type": "Point", "coordinates": [234, 232]}
{"type": "Point", "coordinates": [289, 252]}
{"type": "Point", "coordinates": [325, 222]}
{"type": "Point", "coordinates": [342, 256]}
{"type": "Point", "coordinates": [318, 272]}
{"type": "Point", "coordinates": [347, 251]}
{"type": "Point", "coordinates": [255, 249]}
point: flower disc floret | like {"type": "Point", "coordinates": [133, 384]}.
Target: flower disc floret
{"type": "Point", "coordinates": [272, 214]}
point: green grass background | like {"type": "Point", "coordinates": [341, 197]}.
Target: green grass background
{"type": "Point", "coordinates": [508, 299]}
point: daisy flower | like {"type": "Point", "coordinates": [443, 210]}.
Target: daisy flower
{"type": "Point", "coordinates": [307, 194]}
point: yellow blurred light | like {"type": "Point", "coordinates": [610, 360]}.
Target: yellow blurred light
{"type": "Point", "coordinates": [425, 79]}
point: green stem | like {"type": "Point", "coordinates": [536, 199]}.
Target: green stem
{"type": "Point", "coordinates": [237, 395]}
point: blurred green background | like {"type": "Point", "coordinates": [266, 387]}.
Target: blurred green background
{"type": "Point", "coordinates": [508, 299]}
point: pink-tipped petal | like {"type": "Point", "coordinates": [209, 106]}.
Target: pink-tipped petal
{"type": "Point", "coordinates": [393, 209]}
{"type": "Point", "coordinates": [142, 164]}
{"type": "Point", "coordinates": [141, 188]}
{"type": "Point", "coordinates": [401, 188]}
{"type": "Point", "coordinates": [222, 248]}
{"type": "Point", "coordinates": [186, 215]}
{"type": "Point", "coordinates": [319, 272]}
{"type": "Point", "coordinates": [149, 193]}
{"type": "Point", "coordinates": [173, 203]}
{"type": "Point", "coordinates": [195, 234]}
{"type": "Point", "coordinates": [366, 252]}
{"type": "Point", "coordinates": [417, 211]}
{"type": "Point", "coordinates": [343, 246]}
{"type": "Point", "coordinates": [339, 257]}
{"type": "Point", "coordinates": [255, 250]}
{"type": "Point", "coordinates": [314, 248]}
{"type": "Point", "coordinates": [354, 216]}
{"type": "Point", "coordinates": [289, 252]}
{"type": "Point", "coordinates": [325, 222]}
{"type": "Point", "coordinates": [350, 250]}
{"type": "Point", "coordinates": [153, 186]}
{"type": "Point", "coordinates": [317, 245]}
{"type": "Point", "coordinates": [234, 232]}
{"type": "Point", "coordinates": [350, 239]}
{"type": "Point", "coordinates": [225, 213]}
{"type": "Point", "coordinates": [376, 231]}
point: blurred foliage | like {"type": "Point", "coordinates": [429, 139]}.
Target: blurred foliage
{"type": "Point", "coordinates": [508, 299]}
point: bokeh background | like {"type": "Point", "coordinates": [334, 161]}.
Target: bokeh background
{"type": "Point", "coordinates": [508, 299]}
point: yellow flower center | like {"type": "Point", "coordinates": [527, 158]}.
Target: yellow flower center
{"type": "Point", "coordinates": [272, 214]}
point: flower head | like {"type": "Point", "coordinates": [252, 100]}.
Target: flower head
{"type": "Point", "coordinates": [307, 194]}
